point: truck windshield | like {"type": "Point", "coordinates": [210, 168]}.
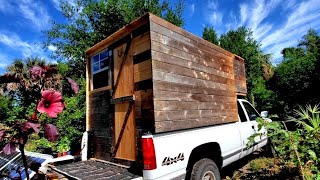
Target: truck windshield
{"type": "Point", "coordinates": [252, 113]}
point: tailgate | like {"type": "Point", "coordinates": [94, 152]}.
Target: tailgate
{"type": "Point", "coordinates": [93, 169]}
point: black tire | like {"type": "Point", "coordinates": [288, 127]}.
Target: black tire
{"type": "Point", "coordinates": [205, 169]}
{"type": "Point", "coordinates": [269, 149]}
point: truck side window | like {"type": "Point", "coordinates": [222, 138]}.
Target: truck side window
{"type": "Point", "coordinates": [241, 113]}
{"type": "Point", "coordinates": [252, 113]}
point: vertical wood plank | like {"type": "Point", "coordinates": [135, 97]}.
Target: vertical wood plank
{"type": "Point", "coordinates": [127, 147]}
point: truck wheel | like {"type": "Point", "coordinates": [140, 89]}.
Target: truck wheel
{"type": "Point", "coordinates": [205, 169]}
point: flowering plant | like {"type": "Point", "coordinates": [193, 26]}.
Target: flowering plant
{"type": "Point", "coordinates": [40, 80]}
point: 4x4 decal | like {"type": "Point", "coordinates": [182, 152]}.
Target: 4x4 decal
{"type": "Point", "coordinates": [167, 160]}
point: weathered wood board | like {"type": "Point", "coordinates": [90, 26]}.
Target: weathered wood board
{"type": "Point", "coordinates": [193, 80]}
{"type": "Point", "coordinates": [178, 80]}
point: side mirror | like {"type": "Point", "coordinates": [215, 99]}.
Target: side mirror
{"type": "Point", "coordinates": [264, 114]}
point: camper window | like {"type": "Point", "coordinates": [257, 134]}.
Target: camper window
{"type": "Point", "coordinates": [100, 64]}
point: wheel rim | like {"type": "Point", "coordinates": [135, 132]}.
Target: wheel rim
{"type": "Point", "coordinates": [208, 176]}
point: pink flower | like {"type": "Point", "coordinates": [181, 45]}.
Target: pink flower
{"type": "Point", "coordinates": [51, 103]}
{"type": "Point", "coordinates": [36, 71]}
{"type": "Point", "coordinates": [74, 85]}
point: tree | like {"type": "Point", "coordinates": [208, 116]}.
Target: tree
{"type": "Point", "coordinates": [297, 77]}
{"type": "Point", "coordinates": [210, 35]}
{"type": "Point", "coordinates": [5, 105]}
{"type": "Point", "coordinates": [90, 21]}
{"type": "Point", "coordinates": [258, 65]}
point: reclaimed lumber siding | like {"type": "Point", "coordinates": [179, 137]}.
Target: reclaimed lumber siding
{"type": "Point", "coordinates": [101, 116]}
{"type": "Point", "coordinates": [240, 75]}
{"type": "Point", "coordinates": [193, 80]}
{"type": "Point", "coordinates": [179, 81]}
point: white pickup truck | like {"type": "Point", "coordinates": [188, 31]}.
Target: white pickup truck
{"type": "Point", "coordinates": [200, 153]}
{"type": "Point", "coordinates": [195, 153]}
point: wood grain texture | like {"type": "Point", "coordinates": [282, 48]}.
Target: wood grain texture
{"type": "Point", "coordinates": [144, 104]}
{"type": "Point", "coordinates": [240, 75]}
{"type": "Point", "coordinates": [118, 54]}
{"type": "Point", "coordinates": [179, 79]}
{"type": "Point", "coordinates": [175, 87]}
{"type": "Point", "coordinates": [155, 46]}
{"type": "Point", "coordinates": [221, 62]}
{"type": "Point", "coordinates": [118, 35]}
{"type": "Point", "coordinates": [101, 122]}
{"type": "Point", "coordinates": [193, 80]}
{"type": "Point", "coordinates": [186, 97]}
{"type": "Point", "coordinates": [165, 126]}
{"type": "Point", "coordinates": [190, 114]}
{"type": "Point", "coordinates": [193, 38]}
{"type": "Point", "coordinates": [169, 68]}
{"type": "Point", "coordinates": [201, 66]}
{"type": "Point", "coordinates": [127, 147]}
{"type": "Point", "coordinates": [180, 105]}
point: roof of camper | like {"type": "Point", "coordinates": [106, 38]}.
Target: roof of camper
{"type": "Point", "coordinates": [137, 23]}
{"type": "Point", "coordinates": [120, 33]}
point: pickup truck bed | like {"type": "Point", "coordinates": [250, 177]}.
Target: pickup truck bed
{"type": "Point", "coordinates": [92, 169]}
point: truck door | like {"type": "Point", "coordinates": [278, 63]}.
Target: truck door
{"type": "Point", "coordinates": [252, 115]}
{"type": "Point", "coordinates": [246, 130]}
{"type": "Point", "coordinates": [248, 127]}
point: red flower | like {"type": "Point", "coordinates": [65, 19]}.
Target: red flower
{"type": "Point", "coordinates": [51, 103]}
{"type": "Point", "coordinates": [36, 71]}
{"type": "Point", "coordinates": [74, 85]}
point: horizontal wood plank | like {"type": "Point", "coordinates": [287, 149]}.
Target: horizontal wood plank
{"type": "Point", "coordinates": [145, 65]}
{"type": "Point", "coordinates": [188, 57]}
{"type": "Point", "coordinates": [199, 66]}
{"type": "Point", "coordinates": [223, 63]}
{"type": "Point", "coordinates": [175, 78]}
{"type": "Point", "coordinates": [141, 47]}
{"type": "Point", "coordinates": [164, 126]}
{"type": "Point", "coordinates": [174, 69]}
{"type": "Point", "coordinates": [191, 114]}
{"type": "Point", "coordinates": [141, 38]}
{"type": "Point", "coordinates": [186, 97]}
{"type": "Point", "coordinates": [180, 105]}
{"type": "Point", "coordinates": [143, 75]}
{"type": "Point", "coordinates": [143, 95]}
{"type": "Point", "coordinates": [175, 87]}
{"type": "Point", "coordinates": [195, 40]}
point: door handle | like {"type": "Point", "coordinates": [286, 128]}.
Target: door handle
{"type": "Point", "coordinates": [253, 127]}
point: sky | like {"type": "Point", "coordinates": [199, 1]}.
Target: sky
{"type": "Point", "coordinates": [276, 24]}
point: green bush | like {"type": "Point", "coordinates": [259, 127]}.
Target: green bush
{"type": "Point", "coordinates": [300, 146]}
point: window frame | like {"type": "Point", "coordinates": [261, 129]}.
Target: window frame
{"type": "Point", "coordinates": [108, 68]}
{"type": "Point", "coordinates": [246, 111]}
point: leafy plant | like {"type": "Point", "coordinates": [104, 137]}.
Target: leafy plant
{"type": "Point", "coordinates": [37, 87]}
{"type": "Point", "coordinates": [301, 146]}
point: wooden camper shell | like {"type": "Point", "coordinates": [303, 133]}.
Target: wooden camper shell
{"type": "Point", "coordinates": [177, 80]}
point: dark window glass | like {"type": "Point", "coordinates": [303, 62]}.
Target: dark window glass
{"type": "Point", "coordinates": [104, 54]}
{"type": "Point", "coordinates": [100, 79]}
{"type": "Point", "coordinates": [95, 58]}
{"type": "Point", "coordinates": [241, 113]}
{"type": "Point", "coordinates": [96, 67]}
{"type": "Point", "coordinates": [252, 113]}
{"type": "Point", "coordinates": [100, 68]}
